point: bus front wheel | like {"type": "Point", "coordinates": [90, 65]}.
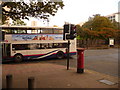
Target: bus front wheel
{"type": "Point", "coordinates": [18, 58]}
{"type": "Point", "coordinates": [60, 55]}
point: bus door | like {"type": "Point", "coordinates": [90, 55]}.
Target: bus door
{"type": "Point", "coordinates": [6, 51]}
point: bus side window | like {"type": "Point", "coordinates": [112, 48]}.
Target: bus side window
{"type": "Point", "coordinates": [55, 45]}
{"type": "Point", "coordinates": [50, 45]}
{"type": "Point", "coordinates": [45, 46]}
{"type": "Point", "coordinates": [64, 45]}
{"type": "Point", "coordinates": [41, 46]}
{"type": "Point", "coordinates": [15, 47]}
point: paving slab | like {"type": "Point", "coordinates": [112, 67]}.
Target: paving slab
{"type": "Point", "coordinates": [54, 76]}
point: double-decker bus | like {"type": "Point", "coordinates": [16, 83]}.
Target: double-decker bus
{"type": "Point", "coordinates": [22, 42]}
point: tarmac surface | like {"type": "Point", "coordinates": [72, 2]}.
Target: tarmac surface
{"type": "Point", "coordinates": [48, 75]}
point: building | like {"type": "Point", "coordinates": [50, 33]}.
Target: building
{"type": "Point", "coordinates": [114, 17]}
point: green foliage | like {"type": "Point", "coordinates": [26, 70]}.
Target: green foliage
{"type": "Point", "coordinates": [98, 22]}
{"type": "Point", "coordinates": [21, 10]}
{"type": "Point", "coordinates": [98, 27]}
{"type": "Point", "coordinates": [107, 33]}
{"type": "Point", "coordinates": [116, 25]}
{"type": "Point", "coordinates": [80, 32]}
{"type": "Point", "coordinates": [18, 22]}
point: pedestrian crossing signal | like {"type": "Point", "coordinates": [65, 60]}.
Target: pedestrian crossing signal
{"type": "Point", "coordinates": [69, 31]}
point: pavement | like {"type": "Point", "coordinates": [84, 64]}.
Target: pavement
{"type": "Point", "coordinates": [48, 75]}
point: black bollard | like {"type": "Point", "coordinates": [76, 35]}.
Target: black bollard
{"type": "Point", "coordinates": [31, 84]}
{"type": "Point", "coordinates": [9, 81]}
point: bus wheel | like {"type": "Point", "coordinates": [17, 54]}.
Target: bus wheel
{"type": "Point", "coordinates": [18, 58]}
{"type": "Point", "coordinates": [60, 55]}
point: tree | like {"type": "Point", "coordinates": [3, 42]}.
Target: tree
{"type": "Point", "coordinates": [18, 22]}
{"type": "Point", "coordinates": [98, 22]}
{"type": "Point", "coordinates": [83, 35]}
{"type": "Point", "coordinates": [116, 25]}
{"type": "Point", "coordinates": [107, 33]}
{"type": "Point", "coordinates": [99, 27]}
{"type": "Point", "coordinates": [23, 10]}
{"type": "Point", "coordinates": [79, 32]}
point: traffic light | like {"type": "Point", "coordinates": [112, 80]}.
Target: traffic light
{"type": "Point", "coordinates": [72, 31]}
{"type": "Point", "coordinates": [69, 31]}
{"type": "Point", "coordinates": [66, 28]}
{"type": "Point", "coordinates": [65, 31]}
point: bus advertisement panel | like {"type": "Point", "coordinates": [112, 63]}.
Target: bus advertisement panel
{"type": "Point", "coordinates": [22, 37]}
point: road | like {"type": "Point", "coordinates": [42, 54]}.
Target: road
{"type": "Point", "coordinates": [103, 61]}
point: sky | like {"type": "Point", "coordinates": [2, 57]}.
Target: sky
{"type": "Point", "coordinates": [77, 11]}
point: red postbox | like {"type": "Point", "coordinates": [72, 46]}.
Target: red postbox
{"type": "Point", "coordinates": [80, 60]}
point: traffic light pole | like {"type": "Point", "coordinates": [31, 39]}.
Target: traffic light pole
{"type": "Point", "coordinates": [68, 56]}
{"type": "Point", "coordinates": [69, 34]}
